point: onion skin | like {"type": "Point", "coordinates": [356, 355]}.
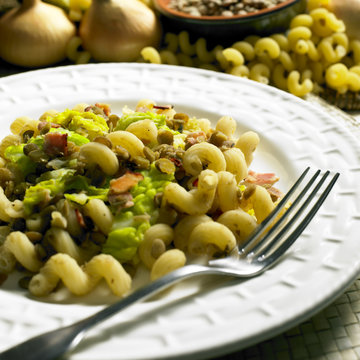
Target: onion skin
{"type": "Point", "coordinates": [117, 30]}
{"type": "Point", "coordinates": [35, 34]}
{"type": "Point", "coordinates": [349, 12]}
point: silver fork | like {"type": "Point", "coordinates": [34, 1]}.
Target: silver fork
{"type": "Point", "coordinates": [261, 251]}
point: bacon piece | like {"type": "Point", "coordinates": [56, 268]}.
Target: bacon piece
{"type": "Point", "coordinates": [194, 138]}
{"type": "Point", "coordinates": [124, 183]}
{"type": "Point", "coordinates": [119, 194]}
{"type": "Point", "coordinates": [163, 107]}
{"type": "Point", "coordinates": [80, 218]}
{"type": "Point", "coordinates": [121, 201]}
{"type": "Point", "coordinates": [263, 179]}
{"type": "Point", "coordinates": [42, 124]}
{"type": "Point", "coordinates": [275, 193]}
{"type": "Point", "coordinates": [177, 162]}
{"type": "Point", "coordinates": [55, 144]}
{"type": "Point", "coordinates": [142, 109]}
{"type": "Point", "coordinates": [195, 182]}
{"type": "Point", "coordinates": [105, 108]}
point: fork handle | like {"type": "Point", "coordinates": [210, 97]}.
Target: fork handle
{"type": "Point", "coordinates": [51, 345]}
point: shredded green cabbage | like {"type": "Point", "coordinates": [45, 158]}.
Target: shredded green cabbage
{"type": "Point", "coordinates": [87, 191]}
{"type": "Point", "coordinates": [61, 181]}
{"type": "Point", "coordinates": [50, 184]}
{"type": "Point", "coordinates": [127, 119]}
{"type": "Point", "coordinates": [128, 229]}
{"type": "Point", "coordinates": [85, 123]}
{"type": "Point", "coordinates": [15, 154]}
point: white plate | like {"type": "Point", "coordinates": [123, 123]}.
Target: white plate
{"type": "Point", "coordinates": [223, 316]}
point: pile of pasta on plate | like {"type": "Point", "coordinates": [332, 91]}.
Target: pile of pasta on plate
{"type": "Point", "coordinates": [87, 194]}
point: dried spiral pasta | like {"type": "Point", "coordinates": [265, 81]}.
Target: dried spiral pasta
{"type": "Point", "coordinates": [316, 36]}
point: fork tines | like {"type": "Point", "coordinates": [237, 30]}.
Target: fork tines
{"type": "Point", "coordinates": [267, 240]}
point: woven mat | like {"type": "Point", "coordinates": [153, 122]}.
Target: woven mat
{"type": "Point", "coordinates": [332, 334]}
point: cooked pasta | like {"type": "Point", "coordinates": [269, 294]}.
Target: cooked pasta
{"type": "Point", "coordinates": [202, 240]}
{"type": "Point", "coordinates": [167, 262]}
{"type": "Point", "coordinates": [155, 241]}
{"type": "Point", "coordinates": [150, 187]}
{"type": "Point", "coordinates": [23, 250]}
{"type": "Point", "coordinates": [239, 222]}
{"type": "Point", "coordinates": [203, 155]}
{"type": "Point", "coordinates": [80, 281]}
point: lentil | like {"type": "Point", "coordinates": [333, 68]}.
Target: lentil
{"type": "Point", "coordinates": [165, 166]}
{"type": "Point", "coordinates": [112, 121]}
{"type": "Point", "coordinates": [226, 8]}
{"type": "Point", "coordinates": [29, 147]}
{"type": "Point", "coordinates": [165, 137]}
{"type": "Point", "coordinates": [217, 138]}
{"type": "Point", "coordinates": [149, 154]}
{"type": "Point", "coordinates": [34, 236]}
{"type": "Point", "coordinates": [249, 191]}
{"type": "Point", "coordinates": [141, 162]}
{"type": "Point", "coordinates": [103, 140]}
{"type": "Point", "coordinates": [27, 135]}
{"type": "Point", "coordinates": [121, 153]}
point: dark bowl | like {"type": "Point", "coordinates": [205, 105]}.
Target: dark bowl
{"type": "Point", "coordinates": [262, 22]}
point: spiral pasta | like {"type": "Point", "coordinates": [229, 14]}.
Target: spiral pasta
{"type": "Point", "coordinates": [110, 202]}
{"type": "Point", "coordinates": [203, 155]}
{"type": "Point", "coordinates": [196, 201]}
{"type": "Point", "coordinates": [315, 38]}
{"type": "Point", "coordinates": [80, 281]}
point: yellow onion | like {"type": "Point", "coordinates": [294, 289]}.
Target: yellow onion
{"type": "Point", "coordinates": [35, 34]}
{"type": "Point", "coordinates": [349, 12]}
{"type": "Point", "coordinates": [117, 30]}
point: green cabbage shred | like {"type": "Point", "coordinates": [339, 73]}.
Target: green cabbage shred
{"type": "Point", "coordinates": [129, 226]}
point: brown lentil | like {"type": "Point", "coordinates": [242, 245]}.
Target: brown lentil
{"type": "Point", "coordinates": [217, 138]}
{"type": "Point", "coordinates": [165, 166]}
{"type": "Point", "coordinates": [158, 199]}
{"type": "Point", "coordinates": [141, 162]}
{"type": "Point", "coordinates": [165, 151]}
{"type": "Point", "coordinates": [165, 137]}
{"type": "Point", "coordinates": [226, 8]}
{"type": "Point", "coordinates": [28, 148]}
{"type": "Point", "coordinates": [226, 145]}
{"type": "Point", "coordinates": [45, 129]}
{"type": "Point", "coordinates": [98, 237]}
{"type": "Point", "coordinates": [112, 121]}
{"type": "Point", "coordinates": [249, 191]}
{"type": "Point", "coordinates": [104, 140]}
{"type": "Point", "coordinates": [27, 135]}
{"type": "Point", "coordinates": [121, 153]}
{"type": "Point", "coordinates": [34, 236]}
{"type": "Point", "coordinates": [149, 154]}
{"type": "Point", "coordinates": [38, 156]}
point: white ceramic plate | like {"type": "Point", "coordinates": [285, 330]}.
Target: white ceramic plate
{"type": "Point", "coordinates": [219, 317]}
